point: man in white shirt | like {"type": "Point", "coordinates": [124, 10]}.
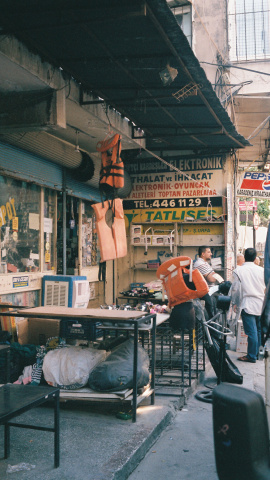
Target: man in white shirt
{"type": "Point", "coordinates": [251, 277]}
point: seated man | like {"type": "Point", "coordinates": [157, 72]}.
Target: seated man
{"type": "Point", "coordinates": [203, 265]}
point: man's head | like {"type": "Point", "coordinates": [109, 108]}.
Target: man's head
{"type": "Point", "coordinates": [240, 259]}
{"type": "Point", "coordinates": [250, 254]}
{"type": "Point", "coordinates": [205, 253]}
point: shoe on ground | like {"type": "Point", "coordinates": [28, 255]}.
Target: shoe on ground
{"type": "Point", "coordinates": [245, 358]}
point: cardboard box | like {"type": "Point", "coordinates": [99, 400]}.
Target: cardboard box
{"type": "Point", "coordinates": [158, 239]}
{"type": "Point", "coordinates": [241, 338]}
{"type": "Point", "coordinates": [136, 240]}
{"type": "Point", "coordinates": [136, 230]}
{"type": "Point", "coordinates": [216, 262]}
{"type": "Point", "coordinates": [169, 240]}
{"type": "Point", "coordinates": [141, 240]}
{"type": "Point", "coordinates": [8, 324]}
{"type": "Point", "coordinates": [36, 331]}
{"type": "Point", "coordinates": [143, 266]}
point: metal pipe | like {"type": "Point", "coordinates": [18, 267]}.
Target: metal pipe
{"type": "Point", "coordinates": [267, 379]}
{"type": "Point", "coordinates": [64, 224]}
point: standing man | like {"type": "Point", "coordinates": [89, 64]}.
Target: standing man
{"type": "Point", "coordinates": [203, 265]}
{"type": "Point", "coordinates": [251, 277]}
{"type": "Point", "coordinates": [240, 259]}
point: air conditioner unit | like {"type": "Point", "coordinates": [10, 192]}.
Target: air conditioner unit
{"type": "Point", "coordinates": [65, 291]}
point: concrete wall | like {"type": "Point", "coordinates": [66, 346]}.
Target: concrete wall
{"type": "Point", "coordinates": [209, 25]}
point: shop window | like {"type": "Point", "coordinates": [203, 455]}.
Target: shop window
{"type": "Point", "coordinates": [90, 253]}
{"type": "Point", "coordinates": [20, 226]}
{"type": "Point", "coordinates": [49, 227]}
{"type": "Point", "coordinates": [249, 29]}
{"type": "Point", "coordinates": [88, 236]}
{"type": "Point", "coordinates": [72, 205]}
{"type": "Point", "coordinates": [183, 17]}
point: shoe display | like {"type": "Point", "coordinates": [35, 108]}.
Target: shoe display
{"type": "Point", "coordinates": [245, 358]}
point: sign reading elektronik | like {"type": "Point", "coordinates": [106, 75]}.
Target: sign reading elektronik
{"type": "Point", "coordinates": [162, 193]}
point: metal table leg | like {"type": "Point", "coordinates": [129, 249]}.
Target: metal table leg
{"type": "Point", "coordinates": [7, 440]}
{"type": "Point", "coordinates": [135, 371]}
{"type": "Point", "coordinates": [56, 431]}
{"type": "Point", "coordinates": [153, 366]}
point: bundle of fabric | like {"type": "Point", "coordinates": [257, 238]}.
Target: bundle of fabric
{"type": "Point", "coordinates": [69, 368]}
{"type": "Point", "coordinates": [116, 373]}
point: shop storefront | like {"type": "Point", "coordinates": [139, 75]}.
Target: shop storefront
{"type": "Point", "coordinates": [47, 226]}
{"type": "Point", "coordinates": [175, 207]}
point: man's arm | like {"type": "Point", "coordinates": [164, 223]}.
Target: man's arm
{"type": "Point", "coordinates": [210, 277]}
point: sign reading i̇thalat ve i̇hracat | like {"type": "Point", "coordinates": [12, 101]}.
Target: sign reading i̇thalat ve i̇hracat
{"type": "Point", "coordinates": [170, 196]}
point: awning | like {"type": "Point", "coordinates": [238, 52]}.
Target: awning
{"type": "Point", "coordinates": [118, 50]}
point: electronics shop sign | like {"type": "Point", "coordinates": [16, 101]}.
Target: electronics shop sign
{"type": "Point", "coordinates": [20, 281]}
{"type": "Point", "coordinates": [255, 184]}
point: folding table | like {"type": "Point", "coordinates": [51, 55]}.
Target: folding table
{"type": "Point", "coordinates": [17, 399]}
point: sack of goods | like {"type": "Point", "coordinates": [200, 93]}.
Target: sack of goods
{"type": "Point", "coordinates": [116, 372]}
{"type": "Point", "coordinates": [69, 367]}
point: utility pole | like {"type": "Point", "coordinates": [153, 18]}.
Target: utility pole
{"type": "Point", "coordinates": [254, 231]}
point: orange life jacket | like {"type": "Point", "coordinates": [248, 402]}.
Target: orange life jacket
{"type": "Point", "coordinates": [171, 273]}
{"type": "Point", "coordinates": [112, 240]}
{"type": "Point", "coordinates": [112, 167]}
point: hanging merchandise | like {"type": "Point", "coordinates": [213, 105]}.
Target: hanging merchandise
{"type": "Point", "coordinates": [112, 235]}
{"type": "Point", "coordinates": [180, 282]}
{"type": "Point", "coordinates": [72, 220]}
{"type": "Point", "coordinates": [112, 167]}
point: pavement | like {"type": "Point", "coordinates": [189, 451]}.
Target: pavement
{"type": "Point", "coordinates": [96, 445]}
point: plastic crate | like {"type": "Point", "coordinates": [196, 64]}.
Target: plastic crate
{"type": "Point", "coordinates": [80, 329]}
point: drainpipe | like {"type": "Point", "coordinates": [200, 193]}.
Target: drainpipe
{"type": "Point", "coordinates": [235, 210]}
{"type": "Point", "coordinates": [64, 207]}
{"type": "Point", "coordinates": [267, 379]}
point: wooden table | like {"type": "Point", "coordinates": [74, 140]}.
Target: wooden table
{"type": "Point", "coordinates": [94, 315]}
{"type": "Point", "coordinates": [17, 399]}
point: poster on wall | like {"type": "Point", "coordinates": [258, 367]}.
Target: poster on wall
{"type": "Point", "coordinates": [254, 184]}
{"type": "Point", "coordinates": [162, 194]}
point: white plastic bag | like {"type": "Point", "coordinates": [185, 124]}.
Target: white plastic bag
{"type": "Point", "coordinates": [69, 367]}
{"type": "Point", "coordinates": [235, 293]}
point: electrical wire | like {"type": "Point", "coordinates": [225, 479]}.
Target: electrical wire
{"type": "Point", "coordinates": [263, 125]}
{"type": "Point", "coordinates": [239, 68]}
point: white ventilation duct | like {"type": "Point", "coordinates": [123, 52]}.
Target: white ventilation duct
{"type": "Point", "coordinates": [54, 150]}
{"type": "Point", "coordinates": [63, 153]}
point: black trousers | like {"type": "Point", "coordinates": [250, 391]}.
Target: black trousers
{"type": "Point", "coordinates": [209, 306]}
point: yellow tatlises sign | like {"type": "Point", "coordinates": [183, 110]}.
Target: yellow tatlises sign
{"type": "Point", "coordinates": [171, 215]}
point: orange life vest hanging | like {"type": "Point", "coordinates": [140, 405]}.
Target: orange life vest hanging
{"type": "Point", "coordinates": [112, 240]}
{"type": "Point", "coordinates": [171, 273]}
{"type": "Point", "coordinates": [112, 167]}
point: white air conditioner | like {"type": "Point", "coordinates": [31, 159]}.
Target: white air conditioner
{"type": "Point", "coordinates": [65, 291]}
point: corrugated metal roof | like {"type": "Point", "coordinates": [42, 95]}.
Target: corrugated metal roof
{"type": "Point", "coordinates": [117, 49]}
